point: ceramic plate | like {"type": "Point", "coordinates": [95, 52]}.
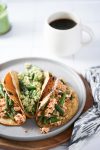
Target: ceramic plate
{"type": "Point", "coordinates": [30, 131]}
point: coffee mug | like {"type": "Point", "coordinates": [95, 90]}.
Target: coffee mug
{"type": "Point", "coordinates": [64, 34]}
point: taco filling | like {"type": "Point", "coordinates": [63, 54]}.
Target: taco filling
{"type": "Point", "coordinates": [30, 83]}
{"type": "Point", "coordinates": [9, 110]}
{"type": "Point", "coordinates": [55, 111]}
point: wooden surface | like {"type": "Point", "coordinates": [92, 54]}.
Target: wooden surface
{"type": "Point", "coordinates": [48, 143]}
{"type": "Point", "coordinates": [26, 37]}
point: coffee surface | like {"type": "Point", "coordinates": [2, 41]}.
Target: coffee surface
{"type": "Point", "coordinates": [62, 24]}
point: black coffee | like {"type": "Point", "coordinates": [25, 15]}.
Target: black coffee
{"type": "Point", "coordinates": [62, 24]}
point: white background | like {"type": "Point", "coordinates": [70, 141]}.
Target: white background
{"type": "Point", "coordinates": [27, 18]}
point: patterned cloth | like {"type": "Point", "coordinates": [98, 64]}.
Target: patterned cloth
{"type": "Point", "coordinates": [89, 122]}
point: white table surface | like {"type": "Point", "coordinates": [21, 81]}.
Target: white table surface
{"type": "Point", "coordinates": [26, 37]}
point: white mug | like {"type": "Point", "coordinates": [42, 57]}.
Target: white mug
{"type": "Point", "coordinates": [68, 41]}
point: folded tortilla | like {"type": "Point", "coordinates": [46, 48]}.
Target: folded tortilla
{"type": "Point", "coordinates": [11, 113]}
{"type": "Point", "coordinates": [12, 85]}
{"type": "Point", "coordinates": [57, 107]}
{"type": "Point", "coordinates": [57, 104]}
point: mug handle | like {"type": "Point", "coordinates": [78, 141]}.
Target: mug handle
{"type": "Point", "coordinates": [89, 31]}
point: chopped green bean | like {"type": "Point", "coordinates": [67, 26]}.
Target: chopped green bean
{"type": "Point", "coordinates": [40, 118]}
{"type": "Point", "coordinates": [2, 93]}
{"type": "Point", "coordinates": [10, 112]}
{"type": "Point", "coordinates": [45, 121]}
{"type": "Point", "coordinates": [62, 99]}
{"type": "Point", "coordinates": [10, 115]}
{"type": "Point", "coordinates": [30, 87]}
{"type": "Point", "coordinates": [24, 87]}
{"type": "Point", "coordinates": [7, 102]}
{"type": "Point", "coordinates": [59, 109]}
{"type": "Point", "coordinates": [53, 119]}
{"type": "Point", "coordinates": [10, 102]}
{"type": "Point", "coordinates": [13, 112]}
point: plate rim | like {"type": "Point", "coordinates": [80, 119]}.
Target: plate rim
{"type": "Point", "coordinates": [44, 136]}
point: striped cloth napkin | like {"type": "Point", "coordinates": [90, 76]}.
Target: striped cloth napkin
{"type": "Point", "coordinates": [89, 122]}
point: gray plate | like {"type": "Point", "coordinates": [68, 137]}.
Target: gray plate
{"type": "Point", "coordinates": [59, 70]}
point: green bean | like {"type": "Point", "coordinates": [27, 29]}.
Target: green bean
{"type": "Point", "coordinates": [48, 120]}
{"type": "Point", "coordinates": [59, 109]}
{"type": "Point", "coordinates": [45, 120]}
{"type": "Point", "coordinates": [62, 99]}
{"type": "Point", "coordinates": [2, 93]}
{"type": "Point", "coordinates": [30, 87]}
{"type": "Point", "coordinates": [10, 102]}
{"type": "Point", "coordinates": [13, 112]}
{"type": "Point", "coordinates": [10, 112]}
{"type": "Point", "coordinates": [7, 102]}
{"type": "Point", "coordinates": [53, 119]}
{"type": "Point", "coordinates": [10, 115]}
{"type": "Point", "coordinates": [24, 87]}
{"type": "Point", "coordinates": [41, 118]}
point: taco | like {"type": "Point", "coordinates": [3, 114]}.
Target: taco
{"type": "Point", "coordinates": [58, 107]}
{"type": "Point", "coordinates": [11, 113]}
{"type": "Point", "coordinates": [29, 86]}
